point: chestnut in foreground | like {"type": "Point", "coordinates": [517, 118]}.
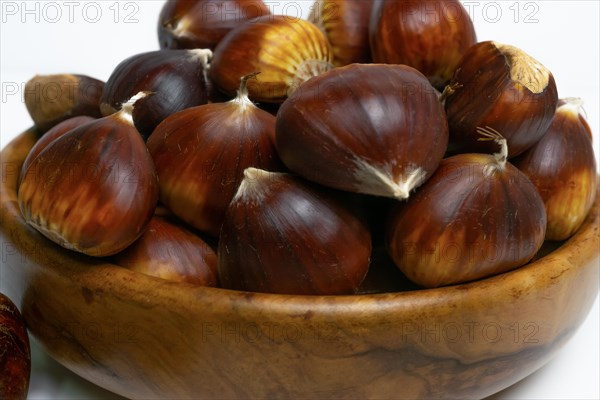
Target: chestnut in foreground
{"type": "Point", "coordinates": [365, 128]}
{"type": "Point", "coordinates": [15, 353]}
{"type": "Point", "coordinates": [175, 78]}
{"type": "Point", "coordinates": [477, 216]}
{"type": "Point", "coordinates": [201, 24]}
{"type": "Point", "coordinates": [201, 153]}
{"type": "Point", "coordinates": [284, 235]}
{"type": "Point", "coordinates": [169, 251]}
{"type": "Point", "coordinates": [286, 51]}
{"type": "Point", "coordinates": [429, 35]}
{"type": "Point", "coordinates": [51, 99]}
{"type": "Point", "coordinates": [94, 189]}
{"type": "Point", "coordinates": [346, 26]}
{"type": "Point", "coordinates": [499, 86]}
{"type": "Point", "coordinates": [563, 168]}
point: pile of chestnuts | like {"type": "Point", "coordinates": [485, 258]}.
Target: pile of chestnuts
{"type": "Point", "coordinates": [375, 146]}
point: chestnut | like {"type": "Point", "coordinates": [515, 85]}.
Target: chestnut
{"type": "Point", "coordinates": [93, 189]}
{"type": "Point", "coordinates": [176, 79]}
{"type": "Point", "coordinates": [286, 51]}
{"type": "Point", "coordinates": [201, 153]}
{"type": "Point", "coordinates": [15, 352]}
{"type": "Point", "coordinates": [51, 99]}
{"type": "Point", "coordinates": [365, 128]}
{"type": "Point", "coordinates": [168, 250]}
{"type": "Point", "coordinates": [200, 24]}
{"type": "Point", "coordinates": [499, 86]}
{"type": "Point", "coordinates": [284, 235]}
{"type": "Point", "coordinates": [346, 26]}
{"type": "Point", "coordinates": [429, 35]}
{"type": "Point", "coordinates": [477, 216]}
{"type": "Point", "coordinates": [563, 168]}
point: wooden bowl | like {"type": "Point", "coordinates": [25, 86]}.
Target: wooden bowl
{"type": "Point", "coordinates": [143, 337]}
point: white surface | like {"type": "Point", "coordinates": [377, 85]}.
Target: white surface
{"type": "Point", "coordinates": [91, 37]}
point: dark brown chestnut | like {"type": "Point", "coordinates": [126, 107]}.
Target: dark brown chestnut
{"type": "Point", "coordinates": [93, 189]}
{"type": "Point", "coordinates": [366, 128]}
{"type": "Point", "coordinates": [175, 78]}
{"type": "Point", "coordinates": [15, 352]}
{"type": "Point", "coordinates": [285, 50]}
{"type": "Point", "coordinates": [499, 86]}
{"type": "Point", "coordinates": [200, 24]}
{"type": "Point", "coordinates": [201, 153]}
{"type": "Point", "coordinates": [429, 35]}
{"type": "Point", "coordinates": [284, 235]}
{"type": "Point", "coordinates": [51, 99]}
{"type": "Point", "coordinates": [562, 166]}
{"type": "Point", "coordinates": [477, 216]}
{"type": "Point", "coordinates": [168, 250]}
{"type": "Point", "coordinates": [346, 26]}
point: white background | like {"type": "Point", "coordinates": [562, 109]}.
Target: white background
{"type": "Point", "coordinates": [44, 37]}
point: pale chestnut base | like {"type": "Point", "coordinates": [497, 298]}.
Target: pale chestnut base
{"type": "Point", "coordinates": [142, 337]}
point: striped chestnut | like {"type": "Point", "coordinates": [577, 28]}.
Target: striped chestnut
{"type": "Point", "coordinates": [365, 128]}
{"type": "Point", "coordinates": [477, 216]}
{"type": "Point", "coordinates": [282, 234]}
{"type": "Point", "coordinates": [503, 87]}
{"type": "Point", "coordinates": [346, 25]}
{"type": "Point", "coordinates": [93, 189]}
{"type": "Point", "coordinates": [286, 51]}
{"type": "Point", "coordinates": [563, 168]}
{"type": "Point", "coordinates": [429, 35]}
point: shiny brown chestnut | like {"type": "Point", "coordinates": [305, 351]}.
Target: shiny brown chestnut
{"type": "Point", "coordinates": [168, 250]}
{"type": "Point", "coordinates": [499, 86]}
{"type": "Point", "coordinates": [346, 26]}
{"type": "Point", "coordinates": [284, 235]}
{"type": "Point", "coordinates": [201, 153]}
{"type": "Point", "coordinates": [429, 35]}
{"type": "Point", "coordinates": [285, 50]}
{"type": "Point", "coordinates": [55, 132]}
{"type": "Point", "coordinates": [477, 216]}
{"type": "Point", "coordinates": [200, 24]}
{"type": "Point", "coordinates": [562, 166]}
{"type": "Point", "coordinates": [94, 189]}
{"type": "Point", "coordinates": [175, 78]}
{"type": "Point", "coordinates": [15, 352]}
{"type": "Point", "coordinates": [366, 128]}
{"type": "Point", "coordinates": [51, 99]}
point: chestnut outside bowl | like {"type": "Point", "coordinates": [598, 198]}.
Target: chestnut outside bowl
{"type": "Point", "coordinates": [143, 337]}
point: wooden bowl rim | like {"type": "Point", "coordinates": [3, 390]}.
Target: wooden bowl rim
{"type": "Point", "coordinates": [120, 282]}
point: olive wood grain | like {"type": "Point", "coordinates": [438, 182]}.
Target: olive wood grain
{"type": "Point", "coordinates": [143, 337]}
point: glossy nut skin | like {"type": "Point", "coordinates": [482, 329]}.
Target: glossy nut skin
{"type": "Point", "coordinates": [55, 132]}
{"type": "Point", "coordinates": [15, 353]}
{"type": "Point", "coordinates": [430, 36]}
{"type": "Point", "coordinates": [51, 99]}
{"type": "Point", "coordinates": [346, 25]}
{"type": "Point", "coordinates": [365, 128]}
{"type": "Point", "coordinates": [168, 250]}
{"type": "Point", "coordinates": [176, 79]}
{"type": "Point", "coordinates": [94, 189]}
{"type": "Point", "coordinates": [284, 235]}
{"type": "Point", "coordinates": [464, 224]}
{"type": "Point", "coordinates": [502, 87]}
{"type": "Point", "coordinates": [201, 153]}
{"type": "Point", "coordinates": [201, 24]}
{"type": "Point", "coordinates": [285, 50]}
{"type": "Point", "coordinates": [563, 168]}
